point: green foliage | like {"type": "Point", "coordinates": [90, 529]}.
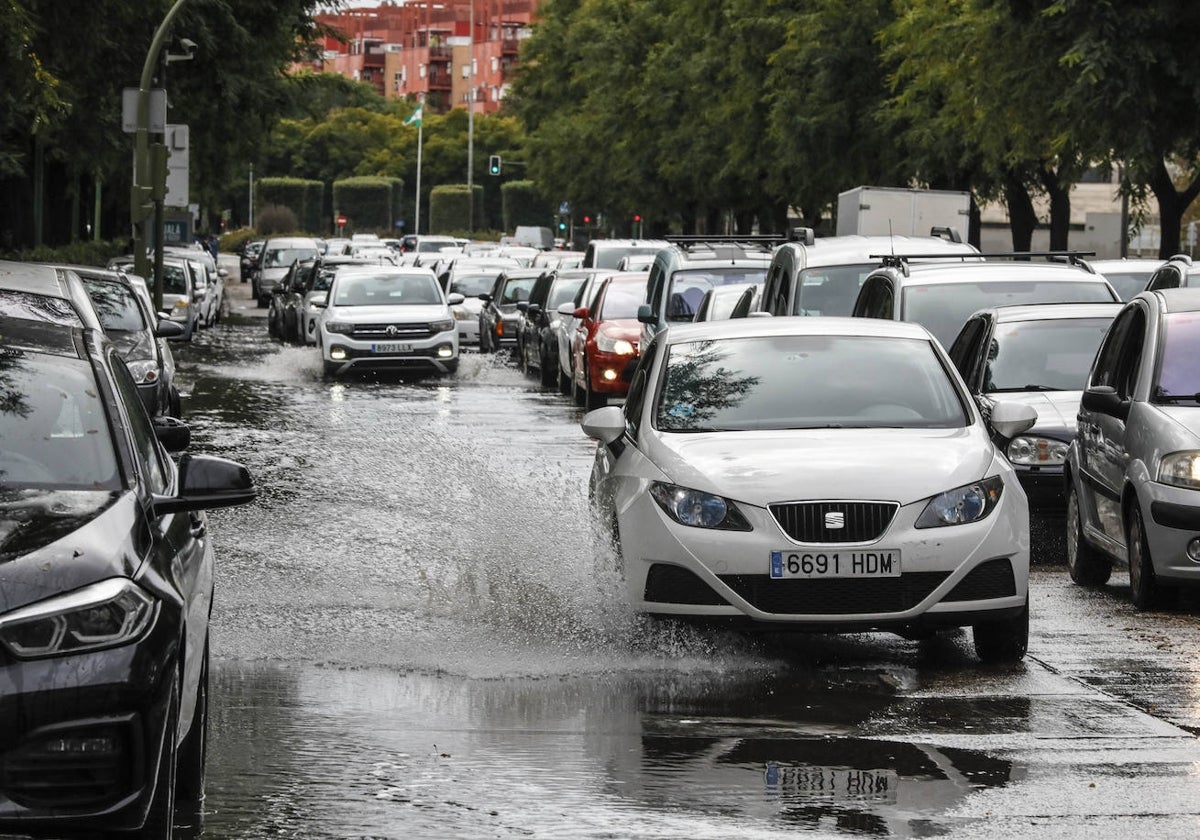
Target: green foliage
{"type": "Point", "coordinates": [304, 197]}
{"type": "Point", "coordinates": [366, 202]}
{"type": "Point", "coordinates": [450, 207]}
{"type": "Point", "coordinates": [276, 219]}
{"type": "Point", "coordinates": [232, 241]}
{"type": "Point", "coordinates": [76, 253]}
{"type": "Point", "coordinates": [524, 204]}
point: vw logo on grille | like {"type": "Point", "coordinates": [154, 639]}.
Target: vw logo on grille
{"type": "Point", "coordinates": [392, 329]}
{"type": "Point", "coordinates": [835, 520]}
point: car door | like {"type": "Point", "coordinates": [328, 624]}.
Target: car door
{"type": "Point", "coordinates": [1102, 434]}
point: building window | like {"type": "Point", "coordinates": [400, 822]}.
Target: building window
{"type": "Point", "coordinates": [421, 71]}
{"type": "Point", "coordinates": [495, 64]}
{"type": "Point", "coordinates": [466, 71]}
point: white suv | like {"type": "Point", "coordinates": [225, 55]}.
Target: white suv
{"type": "Point", "coordinates": [387, 318]}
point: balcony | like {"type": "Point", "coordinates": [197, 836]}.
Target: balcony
{"type": "Point", "coordinates": [438, 80]}
{"type": "Point", "coordinates": [440, 54]}
{"type": "Point", "coordinates": [510, 46]}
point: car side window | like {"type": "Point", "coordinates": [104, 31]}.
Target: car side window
{"type": "Point", "coordinates": [655, 286]}
{"type": "Point", "coordinates": [147, 450]}
{"type": "Point", "coordinates": [964, 353]}
{"type": "Point", "coordinates": [636, 398]}
{"type": "Point", "coordinates": [875, 301]}
{"type": "Point", "coordinates": [1166, 277]}
{"type": "Point", "coordinates": [1108, 358]}
{"type": "Point", "coordinates": [1130, 356]}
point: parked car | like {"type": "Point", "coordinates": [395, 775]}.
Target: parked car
{"type": "Point", "coordinates": [248, 258]}
{"type": "Point", "coordinates": [471, 282]}
{"type": "Point", "coordinates": [605, 344]}
{"type": "Point", "coordinates": [387, 318]}
{"type": "Point", "coordinates": [421, 249]}
{"type": "Point", "coordinates": [810, 276]}
{"type": "Point", "coordinates": [178, 291]}
{"type": "Point", "coordinates": [1128, 276]}
{"type": "Point", "coordinates": [51, 293]}
{"type": "Point", "coordinates": [283, 317]}
{"type": "Point", "coordinates": [1133, 472]}
{"type": "Point", "coordinates": [214, 292]}
{"type": "Point", "coordinates": [691, 265]}
{"type": "Point", "coordinates": [557, 259]}
{"type": "Point", "coordinates": [1175, 273]}
{"type": "Point", "coordinates": [1038, 356]}
{"type": "Point", "coordinates": [607, 253]}
{"type": "Point", "coordinates": [749, 477]}
{"type": "Point", "coordinates": [537, 331]}
{"type": "Point", "coordinates": [737, 300]}
{"type": "Point", "coordinates": [499, 318]}
{"type": "Point", "coordinates": [942, 295]}
{"type": "Point", "coordinates": [313, 286]}
{"type": "Point", "coordinates": [108, 584]}
{"type": "Point", "coordinates": [565, 330]}
{"type": "Point", "coordinates": [137, 333]}
{"type": "Point", "coordinates": [278, 254]}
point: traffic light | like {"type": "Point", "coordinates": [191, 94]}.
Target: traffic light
{"type": "Point", "coordinates": [587, 220]}
{"type": "Point", "coordinates": [562, 224]}
{"type": "Point", "coordinates": [637, 217]}
{"type": "Point", "coordinates": [494, 165]}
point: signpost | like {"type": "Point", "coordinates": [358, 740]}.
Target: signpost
{"type": "Point", "coordinates": [341, 221]}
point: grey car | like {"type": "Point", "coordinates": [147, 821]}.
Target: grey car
{"type": "Point", "coordinates": [1133, 471]}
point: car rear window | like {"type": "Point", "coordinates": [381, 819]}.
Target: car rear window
{"type": "Point", "coordinates": [943, 308]}
{"type": "Point", "coordinates": [806, 382]}
{"type": "Point", "coordinates": [830, 289]}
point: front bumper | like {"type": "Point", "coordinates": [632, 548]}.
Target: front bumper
{"type": "Point", "coordinates": [1172, 519]}
{"type": "Point", "coordinates": [437, 354]}
{"type": "Point", "coordinates": [954, 575]}
{"type": "Point", "coordinates": [606, 373]}
{"type": "Point", "coordinates": [80, 736]}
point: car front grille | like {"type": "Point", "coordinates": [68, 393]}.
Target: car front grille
{"type": "Point", "coordinates": [991, 579]}
{"type": "Point", "coordinates": [852, 522]}
{"type": "Point", "coordinates": [835, 596]}
{"type": "Point", "coordinates": [393, 332]}
{"type": "Point", "coordinates": [667, 584]}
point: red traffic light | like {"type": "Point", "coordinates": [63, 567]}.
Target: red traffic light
{"type": "Point", "coordinates": [637, 217]}
{"type": "Point", "coordinates": [587, 220]}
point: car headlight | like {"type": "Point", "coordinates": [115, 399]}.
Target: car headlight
{"type": "Point", "coordinates": [443, 325]}
{"type": "Point", "coordinates": [1180, 469]}
{"type": "Point", "coordinates": [113, 612]}
{"type": "Point", "coordinates": [611, 344]}
{"type": "Point", "coordinates": [339, 327]}
{"type": "Point", "coordinates": [144, 371]}
{"type": "Point", "coordinates": [1037, 451]}
{"type": "Point", "coordinates": [968, 503]}
{"type": "Point", "coordinates": [698, 509]}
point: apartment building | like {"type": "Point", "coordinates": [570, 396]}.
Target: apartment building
{"type": "Point", "coordinates": [430, 51]}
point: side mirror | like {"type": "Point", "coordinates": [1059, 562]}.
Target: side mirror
{"type": "Point", "coordinates": [319, 301]}
{"type": "Point", "coordinates": [567, 309]}
{"type": "Point", "coordinates": [486, 298]}
{"type": "Point", "coordinates": [522, 306]}
{"type": "Point", "coordinates": [172, 433]}
{"type": "Point", "coordinates": [604, 424]}
{"type": "Point", "coordinates": [454, 299]}
{"type": "Point", "coordinates": [1104, 399]}
{"type": "Point", "coordinates": [206, 481]}
{"type": "Point", "coordinates": [646, 315]}
{"type": "Point", "coordinates": [1010, 419]}
{"type": "Point", "coordinates": [222, 272]}
{"type": "Point", "coordinates": [166, 328]}
{"type": "Point", "coordinates": [580, 313]}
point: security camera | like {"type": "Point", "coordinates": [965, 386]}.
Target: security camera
{"type": "Point", "coordinates": [188, 44]}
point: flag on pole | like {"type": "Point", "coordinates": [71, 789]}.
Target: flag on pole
{"type": "Point", "coordinates": [415, 119]}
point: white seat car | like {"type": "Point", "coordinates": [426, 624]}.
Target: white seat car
{"type": "Point", "coordinates": [815, 473]}
{"type": "Point", "coordinates": [387, 318]}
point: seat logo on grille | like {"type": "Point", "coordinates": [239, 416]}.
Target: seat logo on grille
{"type": "Point", "coordinates": [392, 329]}
{"type": "Point", "coordinates": [835, 520]}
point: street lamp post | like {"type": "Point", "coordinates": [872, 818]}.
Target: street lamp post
{"type": "Point", "coordinates": [149, 168]}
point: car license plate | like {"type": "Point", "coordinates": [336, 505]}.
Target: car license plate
{"type": "Point", "coordinates": [833, 784]}
{"type": "Point", "coordinates": [835, 563]}
{"type": "Point", "coordinates": [391, 348]}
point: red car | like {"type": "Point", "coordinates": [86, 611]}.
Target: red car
{"type": "Point", "coordinates": [606, 340]}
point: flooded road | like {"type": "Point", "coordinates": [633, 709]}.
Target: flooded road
{"type": "Point", "coordinates": [416, 634]}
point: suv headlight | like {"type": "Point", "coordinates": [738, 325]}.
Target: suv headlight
{"type": "Point", "coordinates": [698, 509]}
{"type": "Point", "coordinates": [144, 371]}
{"type": "Point", "coordinates": [1037, 451]}
{"type": "Point", "coordinates": [1180, 469]}
{"type": "Point", "coordinates": [968, 503]}
{"type": "Point", "coordinates": [442, 325]}
{"type": "Point", "coordinates": [339, 327]}
{"type": "Point", "coordinates": [107, 614]}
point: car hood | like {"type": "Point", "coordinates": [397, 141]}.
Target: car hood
{"type": "Point", "coordinates": [53, 541]}
{"type": "Point", "coordinates": [627, 328]}
{"type": "Point", "coordinates": [472, 305]}
{"type": "Point", "coordinates": [1056, 411]}
{"type": "Point", "coordinates": [902, 465]}
{"type": "Point", "coordinates": [397, 314]}
{"type": "Point", "coordinates": [132, 345]}
{"type": "Point", "coordinates": [1186, 416]}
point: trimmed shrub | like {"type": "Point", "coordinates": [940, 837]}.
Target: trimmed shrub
{"type": "Point", "coordinates": [450, 208]}
{"type": "Point", "coordinates": [275, 219]}
{"type": "Point", "coordinates": [303, 196]}
{"type": "Point", "coordinates": [522, 204]}
{"type": "Point", "coordinates": [83, 252]}
{"type": "Point", "coordinates": [366, 203]}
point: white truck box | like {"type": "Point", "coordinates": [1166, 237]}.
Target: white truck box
{"type": "Point", "coordinates": [879, 211]}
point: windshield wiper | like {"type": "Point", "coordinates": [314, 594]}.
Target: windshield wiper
{"type": "Point", "coordinates": [1022, 388]}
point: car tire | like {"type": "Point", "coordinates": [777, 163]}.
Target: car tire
{"type": "Point", "coordinates": [485, 340]}
{"type": "Point", "coordinates": [452, 367]}
{"type": "Point", "coordinates": [546, 372]}
{"type": "Point", "coordinates": [174, 403]}
{"type": "Point", "coordinates": [331, 368]}
{"type": "Point", "coordinates": [591, 399]}
{"type": "Point", "coordinates": [578, 395]}
{"type": "Point", "coordinates": [193, 752]}
{"type": "Point", "coordinates": [564, 382]}
{"type": "Point", "coordinates": [1145, 590]}
{"type": "Point", "coordinates": [272, 327]}
{"type": "Point", "coordinates": [1086, 565]}
{"type": "Point", "coordinates": [1003, 641]}
{"type": "Point", "coordinates": [523, 360]}
{"type": "Point", "coordinates": [254, 290]}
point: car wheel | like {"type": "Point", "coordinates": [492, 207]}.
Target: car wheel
{"type": "Point", "coordinates": [1144, 588]}
{"type": "Point", "coordinates": [523, 360]}
{"type": "Point", "coordinates": [546, 372]}
{"type": "Point", "coordinates": [189, 779]}
{"type": "Point", "coordinates": [452, 367]}
{"type": "Point", "coordinates": [254, 290]}
{"type": "Point", "coordinates": [331, 368]}
{"type": "Point", "coordinates": [272, 327]}
{"type": "Point", "coordinates": [174, 403]}
{"type": "Point", "coordinates": [485, 339]}
{"type": "Point", "coordinates": [1086, 565]}
{"type": "Point", "coordinates": [1005, 640]}
{"type": "Point", "coordinates": [564, 382]}
{"type": "Point", "coordinates": [591, 399]}
{"type": "Point", "coordinates": [577, 392]}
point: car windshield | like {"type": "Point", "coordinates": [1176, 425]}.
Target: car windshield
{"type": "Point", "coordinates": [277, 257]}
{"type": "Point", "coordinates": [517, 289]}
{"type": "Point", "coordinates": [386, 290]}
{"type": "Point", "coordinates": [1053, 355]}
{"type": "Point", "coordinates": [1179, 375]}
{"type": "Point", "coordinates": [943, 308]}
{"type": "Point", "coordinates": [830, 289]}
{"type": "Point", "coordinates": [175, 281]}
{"type": "Point", "coordinates": [688, 286]}
{"type": "Point", "coordinates": [433, 246]}
{"type": "Point", "coordinates": [562, 292]}
{"type": "Point", "coordinates": [806, 382]}
{"type": "Point", "coordinates": [53, 427]}
{"type": "Point", "coordinates": [31, 307]}
{"type": "Point", "coordinates": [473, 285]}
{"type": "Point", "coordinates": [1128, 284]}
{"type": "Point", "coordinates": [117, 307]}
{"type": "Point", "coordinates": [621, 300]}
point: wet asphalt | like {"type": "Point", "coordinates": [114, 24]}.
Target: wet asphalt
{"type": "Point", "coordinates": [417, 634]}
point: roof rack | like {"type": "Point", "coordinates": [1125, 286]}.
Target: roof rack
{"type": "Point", "coordinates": [700, 239]}
{"type": "Point", "coordinates": [1073, 257]}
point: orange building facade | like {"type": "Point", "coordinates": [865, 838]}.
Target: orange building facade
{"type": "Point", "coordinates": [428, 51]}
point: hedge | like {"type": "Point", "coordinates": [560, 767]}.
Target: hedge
{"type": "Point", "coordinates": [450, 208]}
{"type": "Point", "coordinates": [366, 203]}
{"type": "Point", "coordinates": [524, 205]}
{"type": "Point", "coordinates": [302, 196]}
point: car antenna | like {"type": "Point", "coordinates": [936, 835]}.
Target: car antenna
{"type": "Point", "coordinates": [891, 238]}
